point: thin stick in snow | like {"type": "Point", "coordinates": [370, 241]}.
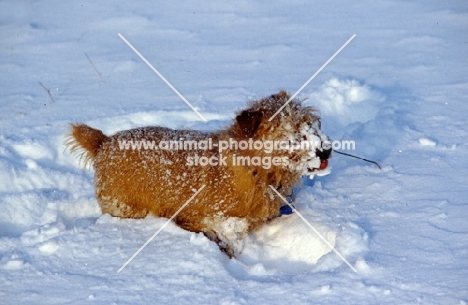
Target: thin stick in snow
{"type": "Point", "coordinates": [363, 159]}
{"type": "Point", "coordinates": [94, 67]}
{"type": "Point", "coordinates": [48, 92]}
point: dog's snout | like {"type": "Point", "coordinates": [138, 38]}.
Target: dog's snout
{"type": "Point", "coordinates": [323, 154]}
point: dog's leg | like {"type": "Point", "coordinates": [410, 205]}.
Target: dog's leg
{"type": "Point", "coordinates": [227, 232]}
{"type": "Point", "coordinates": [223, 246]}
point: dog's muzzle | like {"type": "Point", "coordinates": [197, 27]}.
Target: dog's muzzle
{"type": "Point", "coordinates": [320, 165]}
{"type": "Point", "coordinates": [324, 155]}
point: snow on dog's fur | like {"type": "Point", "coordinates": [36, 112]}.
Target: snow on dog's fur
{"type": "Point", "coordinates": [237, 198]}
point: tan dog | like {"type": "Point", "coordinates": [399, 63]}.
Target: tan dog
{"type": "Point", "coordinates": [134, 180]}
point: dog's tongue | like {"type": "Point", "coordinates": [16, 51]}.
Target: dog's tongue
{"type": "Point", "coordinates": [323, 164]}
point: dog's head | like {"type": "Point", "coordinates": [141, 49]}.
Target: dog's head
{"type": "Point", "coordinates": [295, 131]}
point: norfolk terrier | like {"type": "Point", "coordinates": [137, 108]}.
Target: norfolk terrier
{"type": "Point", "coordinates": [155, 170]}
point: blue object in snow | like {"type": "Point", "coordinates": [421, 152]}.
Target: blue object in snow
{"type": "Point", "coordinates": [286, 210]}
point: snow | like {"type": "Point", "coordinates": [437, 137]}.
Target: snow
{"type": "Point", "coordinates": [399, 89]}
{"type": "Point", "coordinates": [347, 101]}
{"type": "Point", "coordinates": [287, 244]}
{"type": "Point", "coordinates": [427, 142]}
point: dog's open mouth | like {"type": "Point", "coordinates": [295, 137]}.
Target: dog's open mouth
{"type": "Point", "coordinates": [322, 170]}
{"type": "Point", "coordinates": [323, 155]}
{"type": "Point", "coordinates": [323, 164]}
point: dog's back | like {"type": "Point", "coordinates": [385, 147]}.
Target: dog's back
{"type": "Point", "coordinates": [132, 180]}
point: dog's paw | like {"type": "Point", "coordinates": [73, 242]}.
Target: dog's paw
{"type": "Point", "coordinates": [225, 248]}
{"type": "Point", "coordinates": [227, 232]}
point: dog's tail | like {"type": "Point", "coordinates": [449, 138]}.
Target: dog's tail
{"type": "Point", "coordinates": [86, 140]}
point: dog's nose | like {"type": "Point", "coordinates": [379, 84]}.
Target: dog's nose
{"type": "Point", "coordinates": [323, 154]}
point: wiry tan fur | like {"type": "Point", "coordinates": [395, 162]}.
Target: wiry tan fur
{"type": "Point", "coordinates": [135, 183]}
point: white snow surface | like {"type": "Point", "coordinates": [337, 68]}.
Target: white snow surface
{"type": "Point", "coordinates": [399, 90]}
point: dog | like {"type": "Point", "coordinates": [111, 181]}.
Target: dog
{"type": "Point", "coordinates": [133, 180]}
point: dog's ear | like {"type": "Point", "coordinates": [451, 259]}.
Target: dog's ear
{"type": "Point", "coordinates": [248, 121]}
{"type": "Point", "coordinates": [282, 95]}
